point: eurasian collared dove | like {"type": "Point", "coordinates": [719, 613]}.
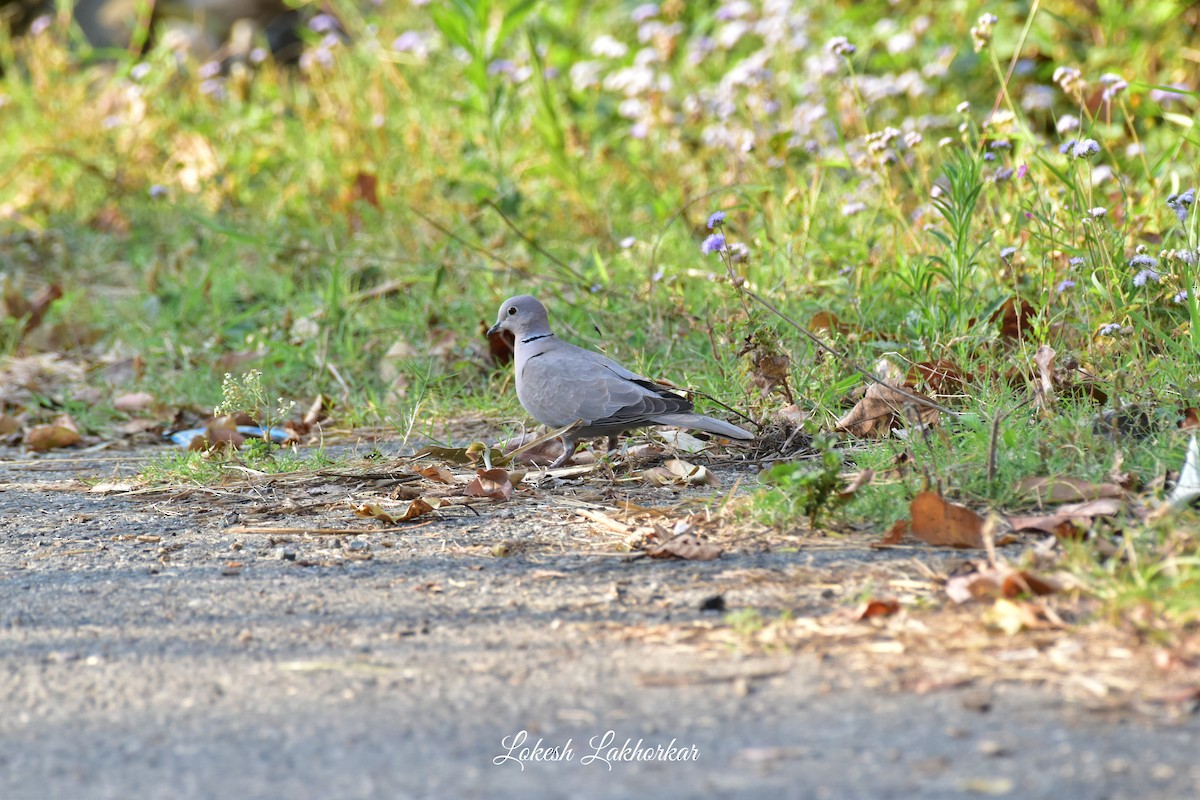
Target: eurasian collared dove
{"type": "Point", "coordinates": [559, 383]}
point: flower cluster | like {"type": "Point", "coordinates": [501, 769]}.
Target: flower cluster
{"type": "Point", "coordinates": [1080, 149]}
{"type": "Point", "coordinates": [840, 46]}
{"type": "Point", "coordinates": [1180, 203]}
{"type": "Point", "coordinates": [1113, 85]}
{"type": "Point", "coordinates": [1071, 81]}
{"type": "Point", "coordinates": [714, 243]}
{"type": "Point", "coordinates": [1146, 265]}
{"type": "Point", "coordinates": [981, 33]}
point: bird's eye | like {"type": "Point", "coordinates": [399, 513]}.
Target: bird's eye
{"type": "Point", "coordinates": [512, 310]}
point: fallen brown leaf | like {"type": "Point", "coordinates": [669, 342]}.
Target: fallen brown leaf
{"type": "Point", "coordinates": [876, 608]}
{"type": "Point", "coordinates": [1044, 385]}
{"type": "Point", "coordinates": [436, 473]}
{"type": "Point", "coordinates": [1014, 616]}
{"type": "Point", "coordinates": [998, 581]}
{"type": "Point", "coordinates": [60, 433]}
{"type": "Point", "coordinates": [937, 521]}
{"type": "Point", "coordinates": [1016, 317]}
{"type": "Point", "coordinates": [1064, 490]}
{"type": "Point", "coordinates": [880, 409]}
{"type": "Point", "coordinates": [1066, 520]}
{"type": "Point", "coordinates": [860, 480]}
{"type": "Point", "coordinates": [938, 377]}
{"type": "Point", "coordinates": [898, 531]}
{"type": "Point", "coordinates": [686, 546]}
{"type": "Point", "coordinates": [133, 402]}
{"type": "Point", "coordinates": [8, 424]}
{"type": "Point", "coordinates": [1191, 418]}
{"type": "Point", "coordinates": [500, 345]}
{"type": "Point", "coordinates": [415, 508]}
{"type": "Point", "coordinates": [491, 483]}
{"type": "Point", "coordinates": [677, 472]}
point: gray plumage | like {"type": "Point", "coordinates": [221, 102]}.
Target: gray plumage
{"type": "Point", "coordinates": [559, 383]}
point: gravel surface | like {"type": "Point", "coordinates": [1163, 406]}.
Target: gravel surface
{"type": "Point", "coordinates": [146, 651]}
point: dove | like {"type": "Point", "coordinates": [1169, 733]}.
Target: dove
{"type": "Point", "coordinates": [559, 384]}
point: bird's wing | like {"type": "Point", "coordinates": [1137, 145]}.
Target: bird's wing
{"type": "Point", "coordinates": [561, 383]}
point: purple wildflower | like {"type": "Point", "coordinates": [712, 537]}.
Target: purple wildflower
{"type": "Point", "coordinates": [713, 244]}
{"type": "Point", "coordinates": [158, 191]}
{"type": "Point", "coordinates": [323, 23]}
{"type": "Point", "coordinates": [1086, 148]}
{"type": "Point", "coordinates": [1182, 296]}
{"type": "Point", "coordinates": [1146, 275]}
{"type": "Point", "coordinates": [644, 12]}
{"type": "Point", "coordinates": [1179, 203]}
{"type": "Point", "coordinates": [1067, 284]}
{"type": "Point", "coordinates": [1111, 329]}
{"type": "Point", "coordinates": [715, 219]}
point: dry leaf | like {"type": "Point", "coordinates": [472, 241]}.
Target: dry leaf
{"type": "Point", "coordinates": [33, 311]}
{"type": "Point", "coordinates": [860, 480]}
{"type": "Point", "coordinates": [1014, 616]}
{"type": "Point", "coordinates": [1191, 419]}
{"type": "Point", "coordinates": [999, 581]}
{"type": "Point", "coordinates": [1044, 386]}
{"type": "Point", "coordinates": [538, 454]}
{"type": "Point", "coordinates": [828, 321]}
{"type": "Point", "coordinates": [937, 521]}
{"type": "Point", "coordinates": [365, 188]}
{"type": "Point", "coordinates": [492, 483]}
{"type": "Point", "coordinates": [8, 424]}
{"type": "Point", "coordinates": [938, 377]}
{"type": "Point", "coordinates": [500, 345]}
{"type": "Point", "coordinates": [769, 372]}
{"type": "Point", "coordinates": [682, 440]}
{"type": "Point", "coordinates": [133, 402]}
{"type": "Point", "coordinates": [1066, 490]}
{"type": "Point", "coordinates": [60, 433]}
{"type": "Point", "coordinates": [436, 473]}
{"type": "Point", "coordinates": [900, 529]}
{"type": "Point", "coordinates": [1016, 317]}
{"type": "Point", "coordinates": [220, 432]}
{"type": "Point", "coordinates": [876, 608]}
{"type": "Point", "coordinates": [416, 508]}
{"type": "Point", "coordinates": [1063, 521]}
{"type": "Point", "coordinates": [686, 546]}
{"type": "Point", "coordinates": [676, 472]}
{"type": "Point", "coordinates": [107, 487]}
{"type": "Point", "coordinates": [459, 455]}
{"type": "Point", "coordinates": [874, 416]}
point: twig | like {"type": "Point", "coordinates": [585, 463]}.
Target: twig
{"type": "Point", "coordinates": [483, 251]}
{"type": "Point", "coordinates": [995, 437]}
{"type": "Point", "coordinates": [242, 529]}
{"type": "Point", "coordinates": [537, 247]}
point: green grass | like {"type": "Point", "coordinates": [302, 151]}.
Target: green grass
{"type": "Point", "coordinates": [211, 232]}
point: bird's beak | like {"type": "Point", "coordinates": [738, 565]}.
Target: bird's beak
{"type": "Point", "coordinates": [492, 331]}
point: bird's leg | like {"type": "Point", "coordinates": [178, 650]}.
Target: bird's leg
{"type": "Point", "coordinates": [569, 445]}
{"type": "Point", "coordinates": [612, 442]}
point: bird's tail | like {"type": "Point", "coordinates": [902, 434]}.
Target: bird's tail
{"type": "Point", "coordinates": [698, 422]}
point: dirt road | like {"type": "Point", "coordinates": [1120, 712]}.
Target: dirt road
{"type": "Point", "coordinates": [148, 649]}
